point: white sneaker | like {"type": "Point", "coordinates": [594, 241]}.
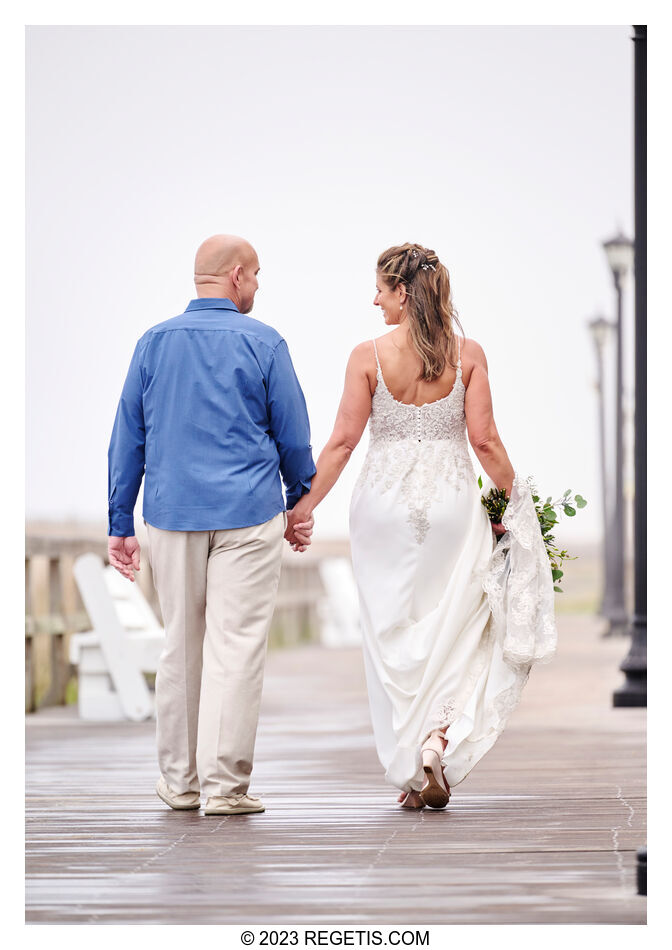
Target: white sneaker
{"type": "Point", "coordinates": [234, 804]}
{"type": "Point", "coordinates": [184, 801]}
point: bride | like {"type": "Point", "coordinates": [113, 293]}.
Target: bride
{"type": "Point", "coordinates": [451, 621]}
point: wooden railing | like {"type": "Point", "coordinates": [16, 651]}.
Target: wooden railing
{"type": "Point", "coordinates": [54, 610]}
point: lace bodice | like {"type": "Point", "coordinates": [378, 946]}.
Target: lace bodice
{"type": "Point", "coordinates": [443, 419]}
{"type": "Point", "coordinates": [416, 448]}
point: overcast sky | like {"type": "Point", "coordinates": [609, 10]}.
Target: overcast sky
{"type": "Point", "coordinates": [506, 149]}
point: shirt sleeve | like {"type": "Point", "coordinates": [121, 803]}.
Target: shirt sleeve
{"type": "Point", "coordinates": [290, 427]}
{"type": "Point", "coordinates": [126, 454]}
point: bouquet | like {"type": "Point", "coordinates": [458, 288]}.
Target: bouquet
{"type": "Point", "coordinates": [495, 503]}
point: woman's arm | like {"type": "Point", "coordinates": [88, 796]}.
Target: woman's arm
{"type": "Point", "coordinates": [481, 427]}
{"type": "Point", "coordinates": [351, 419]}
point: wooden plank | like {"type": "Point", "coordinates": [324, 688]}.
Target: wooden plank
{"type": "Point", "coordinates": [543, 831]}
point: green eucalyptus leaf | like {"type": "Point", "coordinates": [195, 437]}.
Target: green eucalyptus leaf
{"type": "Point", "coordinates": [580, 502]}
{"type": "Point", "coordinates": [480, 482]}
{"type": "Point", "coordinates": [569, 511]}
{"type": "Point", "coordinates": [558, 590]}
{"type": "Point", "coordinates": [557, 574]}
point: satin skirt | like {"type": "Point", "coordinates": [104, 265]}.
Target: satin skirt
{"type": "Point", "coordinates": [431, 656]}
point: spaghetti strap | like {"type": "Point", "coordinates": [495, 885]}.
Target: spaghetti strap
{"type": "Point", "coordinates": [459, 357]}
{"type": "Point", "coordinates": [375, 350]}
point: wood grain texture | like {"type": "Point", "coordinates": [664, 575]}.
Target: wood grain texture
{"type": "Point", "coordinates": [544, 830]}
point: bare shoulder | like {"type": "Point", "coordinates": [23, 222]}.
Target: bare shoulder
{"type": "Point", "coordinates": [474, 363]}
{"type": "Point", "coordinates": [473, 354]}
{"type": "Point", "coordinates": [362, 350]}
{"type": "Point", "coordinates": [362, 363]}
{"type": "Point", "coordinates": [472, 351]}
{"type": "Point", "coordinates": [363, 356]}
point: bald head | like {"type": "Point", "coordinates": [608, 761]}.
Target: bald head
{"type": "Point", "coordinates": [226, 266]}
{"type": "Point", "coordinates": [219, 254]}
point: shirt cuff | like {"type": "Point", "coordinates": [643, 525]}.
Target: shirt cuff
{"type": "Point", "coordinates": [120, 525]}
{"type": "Point", "coordinates": [297, 490]}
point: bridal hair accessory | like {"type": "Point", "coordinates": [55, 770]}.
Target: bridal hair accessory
{"type": "Point", "coordinates": [425, 265]}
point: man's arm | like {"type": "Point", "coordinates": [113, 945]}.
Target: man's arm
{"type": "Point", "coordinates": [126, 467]}
{"type": "Point", "coordinates": [290, 427]}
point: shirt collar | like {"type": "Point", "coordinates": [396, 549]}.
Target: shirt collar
{"type": "Point", "coordinates": [212, 303]}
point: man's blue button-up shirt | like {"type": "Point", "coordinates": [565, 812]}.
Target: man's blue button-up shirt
{"type": "Point", "coordinates": [212, 414]}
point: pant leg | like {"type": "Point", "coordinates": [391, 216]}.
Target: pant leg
{"type": "Point", "coordinates": [179, 562]}
{"type": "Point", "coordinates": [243, 574]}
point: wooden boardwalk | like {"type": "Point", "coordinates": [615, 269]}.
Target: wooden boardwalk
{"type": "Point", "coordinates": [543, 831]}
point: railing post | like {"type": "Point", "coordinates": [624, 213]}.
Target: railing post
{"type": "Point", "coordinates": [58, 660]}
{"type": "Point", "coordinates": [30, 629]}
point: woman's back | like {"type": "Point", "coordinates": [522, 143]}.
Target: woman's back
{"type": "Point", "coordinates": [401, 368]}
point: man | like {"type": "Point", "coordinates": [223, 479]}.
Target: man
{"type": "Point", "coordinates": [212, 413]}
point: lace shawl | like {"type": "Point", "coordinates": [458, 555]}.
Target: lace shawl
{"type": "Point", "coordinates": [519, 585]}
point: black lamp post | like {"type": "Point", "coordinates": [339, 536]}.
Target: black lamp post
{"type": "Point", "coordinates": [601, 331]}
{"type": "Point", "coordinates": [619, 252]}
{"type": "Point", "coordinates": [633, 692]}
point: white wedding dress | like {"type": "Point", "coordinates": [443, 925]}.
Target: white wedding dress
{"type": "Point", "coordinates": [451, 621]}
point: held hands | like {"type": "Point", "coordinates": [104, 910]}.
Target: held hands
{"type": "Point", "coordinates": [498, 529]}
{"type": "Point", "coordinates": [124, 555]}
{"type": "Point", "coordinates": [299, 528]}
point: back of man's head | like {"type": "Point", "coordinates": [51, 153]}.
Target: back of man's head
{"type": "Point", "coordinates": [227, 265]}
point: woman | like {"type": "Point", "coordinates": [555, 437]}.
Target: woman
{"type": "Point", "coordinates": [436, 646]}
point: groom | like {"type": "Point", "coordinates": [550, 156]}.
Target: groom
{"type": "Point", "coordinates": [212, 414]}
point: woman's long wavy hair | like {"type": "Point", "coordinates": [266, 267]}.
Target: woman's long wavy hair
{"type": "Point", "coordinates": [430, 308]}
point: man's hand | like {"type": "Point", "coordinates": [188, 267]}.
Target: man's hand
{"type": "Point", "coordinates": [499, 528]}
{"type": "Point", "coordinates": [124, 554]}
{"type": "Point", "coordinates": [299, 528]}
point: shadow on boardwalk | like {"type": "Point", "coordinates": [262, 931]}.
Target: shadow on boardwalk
{"type": "Point", "coordinates": [544, 830]}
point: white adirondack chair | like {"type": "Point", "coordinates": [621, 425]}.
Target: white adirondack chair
{"type": "Point", "coordinates": [126, 642]}
{"type": "Point", "coordinates": [338, 612]}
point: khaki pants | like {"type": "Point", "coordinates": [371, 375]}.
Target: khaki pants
{"type": "Point", "coordinates": [217, 592]}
